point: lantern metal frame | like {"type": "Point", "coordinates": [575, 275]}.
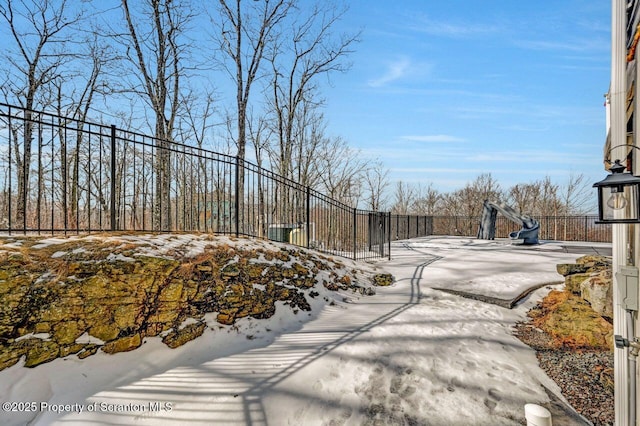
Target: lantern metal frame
{"type": "Point", "coordinates": [618, 196]}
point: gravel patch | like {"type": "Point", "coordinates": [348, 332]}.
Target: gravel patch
{"type": "Point", "coordinates": [584, 376]}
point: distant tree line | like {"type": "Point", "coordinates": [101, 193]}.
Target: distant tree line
{"type": "Point", "coordinates": [539, 198]}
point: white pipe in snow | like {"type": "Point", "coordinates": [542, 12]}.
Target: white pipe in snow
{"type": "Point", "coordinates": [537, 415]}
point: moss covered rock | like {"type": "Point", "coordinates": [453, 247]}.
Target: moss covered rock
{"type": "Point", "coordinates": [123, 344]}
{"type": "Point", "coordinates": [571, 322]}
{"type": "Point", "coordinates": [186, 334]}
{"type": "Point", "coordinates": [573, 282]}
{"type": "Point", "coordinates": [109, 291]}
{"type": "Point", "coordinates": [39, 351]}
{"type": "Point", "coordinates": [383, 280]}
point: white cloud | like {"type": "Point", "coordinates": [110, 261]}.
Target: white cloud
{"type": "Point", "coordinates": [395, 71]}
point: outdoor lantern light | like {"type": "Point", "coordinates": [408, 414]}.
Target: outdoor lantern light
{"type": "Point", "coordinates": [618, 196]}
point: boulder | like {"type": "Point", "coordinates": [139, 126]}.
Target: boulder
{"type": "Point", "coordinates": [40, 351]}
{"type": "Point", "coordinates": [186, 334]}
{"type": "Point", "coordinates": [571, 322]}
{"type": "Point", "coordinates": [572, 282]}
{"type": "Point", "coordinates": [588, 263]}
{"type": "Point", "coordinates": [70, 349]}
{"type": "Point", "coordinates": [66, 332]}
{"type": "Point", "coordinates": [230, 271]}
{"type": "Point", "coordinates": [226, 318]}
{"type": "Point", "coordinates": [566, 269]}
{"type": "Point", "coordinates": [595, 262]}
{"type": "Point", "coordinates": [123, 344]}
{"type": "Point", "coordinates": [383, 280]}
{"type": "Point", "coordinates": [88, 350]}
{"type": "Point", "coordinates": [104, 331]}
{"type": "Point", "coordinates": [10, 355]}
{"type": "Point", "coordinates": [590, 278]}
{"type": "Point", "coordinates": [598, 291]}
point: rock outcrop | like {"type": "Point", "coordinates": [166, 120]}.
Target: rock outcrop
{"type": "Point", "coordinates": [86, 296]}
{"type": "Point", "coordinates": [578, 316]}
{"type": "Point", "coordinates": [590, 278]}
{"type": "Point", "coordinates": [571, 322]}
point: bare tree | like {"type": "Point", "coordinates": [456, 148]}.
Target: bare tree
{"type": "Point", "coordinates": [341, 171]}
{"type": "Point", "coordinates": [260, 132]}
{"type": "Point", "coordinates": [156, 47]}
{"type": "Point", "coordinates": [469, 200]}
{"type": "Point", "coordinates": [524, 197]}
{"type": "Point", "coordinates": [195, 126]}
{"type": "Point", "coordinates": [576, 194]}
{"type": "Point", "coordinates": [550, 204]}
{"type": "Point", "coordinates": [244, 32]}
{"type": "Point", "coordinates": [309, 138]}
{"type": "Point", "coordinates": [405, 196]}
{"type": "Point", "coordinates": [538, 198]}
{"type": "Point", "coordinates": [36, 52]}
{"type": "Point", "coordinates": [376, 181]}
{"type": "Point", "coordinates": [575, 198]}
{"type": "Point", "coordinates": [93, 61]}
{"type": "Point", "coordinates": [427, 201]}
{"type": "Point", "coordinates": [298, 58]}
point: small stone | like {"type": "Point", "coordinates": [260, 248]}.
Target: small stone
{"type": "Point", "coordinates": [123, 344]}
{"type": "Point", "coordinates": [88, 351]}
{"type": "Point", "coordinates": [230, 271]}
{"type": "Point", "coordinates": [41, 351]}
{"type": "Point", "coordinates": [383, 280]}
{"type": "Point", "coordinates": [565, 269]}
{"type": "Point", "coordinates": [225, 319]}
{"type": "Point", "coordinates": [179, 337]}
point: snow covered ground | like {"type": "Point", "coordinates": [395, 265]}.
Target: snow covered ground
{"type": "Point", "coordinates": [409, 355]}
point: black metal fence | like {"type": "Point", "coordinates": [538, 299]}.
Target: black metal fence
{"type": "Point", "coordinates": [562, 228]}
{"type": "Point", "coordinates": [60, 175]}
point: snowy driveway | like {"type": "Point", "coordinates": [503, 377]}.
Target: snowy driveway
{"type": "Point", "coordinates": [409, 355]}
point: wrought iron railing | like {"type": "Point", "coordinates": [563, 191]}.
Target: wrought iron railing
{"type": "Point", "coordinates": [61, 175]}
{"type": "Point", "coordinates": [562, 228]}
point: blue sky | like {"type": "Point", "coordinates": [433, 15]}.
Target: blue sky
{"type": "Point", "coordinates": [442, 91]}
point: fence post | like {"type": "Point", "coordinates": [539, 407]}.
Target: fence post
{"type": "Point", "coordinates": [10, 181]}
{"type": "Point", "coordinates": [114, 226]}
{"type": "Point", "coordinates": [308, 216]}
{"type": "Point", "coordinates": [408, 226]}
{"type": "Point", "coordinates": [397, 226]}
{"type": "Point", "coordinates": [237, 200]}
{"type": "Point", "coordinates": [389, 234]}
{"type": "Point", "coordinates": [378, 230]}
{"type": "Point", "coordinates": [355, 233]}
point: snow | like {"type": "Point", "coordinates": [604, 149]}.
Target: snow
{"type": "Point", "coordinates": [114, 257]}
{"type": "Point", "coordinates": [41, 336]}
{"type": "Point", "coordinates": [410, 354]}
{"type": "Point", "coordinates": [87, 338]}
{"type": "Point", "coordinates": [488, 268]}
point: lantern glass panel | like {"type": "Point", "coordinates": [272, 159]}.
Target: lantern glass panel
{"type": "Point", "coordinates": [616, 208]}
